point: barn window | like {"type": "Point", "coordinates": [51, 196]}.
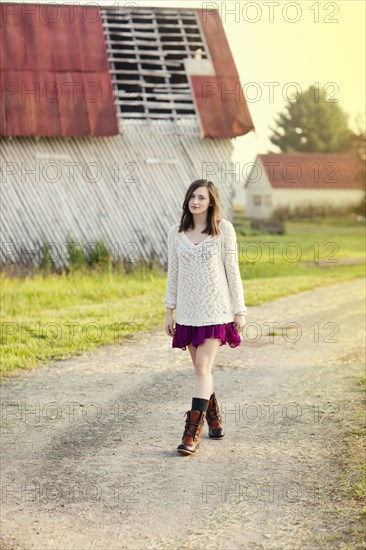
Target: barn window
{"type": "Point", "coordinates": [257, 200]}
{"type": "Point", "coordinates": [146, 52]}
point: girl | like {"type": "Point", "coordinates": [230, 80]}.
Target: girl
{"type": "Point", "coordinates": [203, 279]}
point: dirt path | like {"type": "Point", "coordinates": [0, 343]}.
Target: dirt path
{"type": "Point", "coordinates": [88, 444]}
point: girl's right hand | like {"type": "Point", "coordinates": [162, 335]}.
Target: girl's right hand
{"type": "Point", "coordinates": [170, 325]}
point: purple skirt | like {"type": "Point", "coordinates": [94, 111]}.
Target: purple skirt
{"type": "Point", "coordinates": [186, 334]}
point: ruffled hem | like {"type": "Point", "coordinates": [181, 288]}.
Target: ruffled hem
{"type": "Point", "coordinates": [186, 334]}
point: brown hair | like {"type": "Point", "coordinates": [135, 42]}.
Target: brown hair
{"type": "Point", "coordinates": [213, 211]}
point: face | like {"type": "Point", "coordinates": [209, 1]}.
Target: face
{"type": "Point", "coordinates": [199, 201]}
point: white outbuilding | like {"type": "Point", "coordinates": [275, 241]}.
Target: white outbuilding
{"type": "Point", "coordinates": [296, 180]}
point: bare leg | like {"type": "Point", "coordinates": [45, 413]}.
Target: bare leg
{"type": "Point", "coordinates": [193, 352]}
{"type": "Point", "coordinates": [205, 356]}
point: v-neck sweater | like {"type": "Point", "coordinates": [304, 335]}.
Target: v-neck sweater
{"type": "Point", "coordinates": [204, 284]}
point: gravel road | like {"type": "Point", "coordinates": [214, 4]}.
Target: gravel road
{"type": "Point", "coordinates": [88, 443]}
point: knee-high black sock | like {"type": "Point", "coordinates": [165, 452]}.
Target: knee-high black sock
{"type": "Point", "coordinates": [199, 404]}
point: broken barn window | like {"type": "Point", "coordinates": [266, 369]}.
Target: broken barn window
{"type": "Point", "coordinates": [146, 52]}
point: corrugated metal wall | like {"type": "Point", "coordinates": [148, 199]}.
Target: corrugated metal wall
{"type": "Point", "coordinates": [126, 189]}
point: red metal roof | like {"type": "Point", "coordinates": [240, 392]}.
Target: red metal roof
{"type": "Point", "coordinates": [222, 113]}
{"type": "Point", "coordinates": [313, 170]}
{"type": "Point", "coordinates": [54, 72]}
{"type": "Point", "coordinates": [56, 80]}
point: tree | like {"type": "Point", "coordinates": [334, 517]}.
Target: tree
{"type": "Point", "coordinates": [312, 122]}
{"type": "Point", "coordinates": [358, 138]}
{"type": "Point", "coordinates": [359, 146]}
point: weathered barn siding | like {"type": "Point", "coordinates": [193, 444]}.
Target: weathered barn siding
{"type": "Point", "coordinates": [44, 196]}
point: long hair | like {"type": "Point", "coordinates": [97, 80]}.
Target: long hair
{"type": "Point", "coordinates": [213, 211]}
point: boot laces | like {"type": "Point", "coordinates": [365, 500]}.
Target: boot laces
{"type": "Point", "coordinates": [191, 424]}
{"type": "Point", "coordinates": [215, 411]}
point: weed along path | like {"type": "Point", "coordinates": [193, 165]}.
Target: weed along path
{"type": "Point", "coordinates": [88, 444]}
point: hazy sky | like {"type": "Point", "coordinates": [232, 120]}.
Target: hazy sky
{"type": "Point", "coordinates": [283, 42]}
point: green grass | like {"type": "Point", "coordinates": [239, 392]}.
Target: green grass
{"type": "Point", "coordinates": [38, 312]}
{"type": "Point", "coordinates": [359, 488]}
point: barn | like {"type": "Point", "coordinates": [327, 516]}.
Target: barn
{"type": "Point", "coordinates": [107, 115]}
{"type": "Point", "coordinates": [295, 180]}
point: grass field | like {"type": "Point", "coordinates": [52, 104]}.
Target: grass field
{"type": "Point", "coordinates": [48, 317]}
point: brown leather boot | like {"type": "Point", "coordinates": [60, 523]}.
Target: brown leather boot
{"type": "Point", "coordinates": [192, 432]}
{"type": "Point", "coordinates": [214, 420]}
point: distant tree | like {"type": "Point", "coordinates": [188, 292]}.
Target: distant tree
{"type": "Point", "coordinates": [358, 137]}
{"type": "Point", "coordinates": [359, 147]}
{"type": "Point", "coordinates": [312, 122]}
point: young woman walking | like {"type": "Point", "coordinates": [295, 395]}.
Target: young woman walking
{"type": "Point", "coordinates": [204, 287]}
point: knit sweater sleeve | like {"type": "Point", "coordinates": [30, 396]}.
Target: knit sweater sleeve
{"type": "Point", "coordinates": [170, 299]}
{"type": "Point", "coordinates": [232, 270]}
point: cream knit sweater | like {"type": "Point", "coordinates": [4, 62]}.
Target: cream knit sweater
{"type": "Point", "coordinates": [204, 285]}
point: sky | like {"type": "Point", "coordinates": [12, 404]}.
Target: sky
{"type": "Point", "coordinates": [280, 44]}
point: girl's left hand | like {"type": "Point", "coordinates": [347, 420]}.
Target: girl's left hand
{"type": "Point", "coordinates": [239, 322]}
